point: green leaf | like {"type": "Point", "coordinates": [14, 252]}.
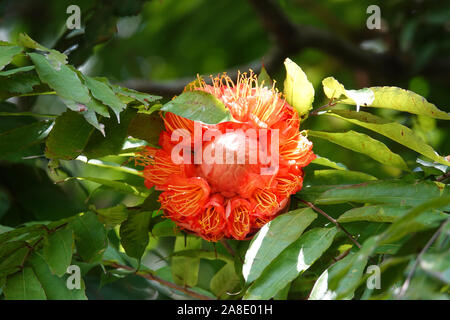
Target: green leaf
{"type": "Point", "coordinates": [146, 127]}
{"type": "Point", "coordinates": [437, 265]}
{"type": "Point", "coordinates": [105, 94]}
{"type": "Point", "coordinates": [112, 216]}
{"type": "Point", "coordinates": [17, 139]}
{"type": "Point", "coordinates": [203, 254]}
{"type": "Point", "coordinates": [143, 98]}
{"type": "Point", "coordinates": [116, 133]}
{"type": "Point", "coordinates": [390, 129]}
{"type": "Point", "coordinates": [199, 106]}
{"type": "Point", "coordinates": [264, 78]}
{"type": "Point", "coordinates": [109, 165]}
{"type": "Point", "coordinates": [431, 168]}
{"type": "Point", "coordinates": [395, 192]}
{"type": "Point", "coordinates": [64, 81]}
{"type": "Point", "coordinates": [117, 185]}
{"type": "Point", "coordinates": [362, 143]}
{"type": "Point", "coordinates": [11, 256]}
{"type": "Point", "coordinates": [328, 163]}
{"type": "Point", "coordinates": [18, 84]}
{"type": "Point", "coordinates": [90, 236]}
{"type": "Point", "coordinates": [340, 279]}
{"type": "Point", "coordinates": [408, 222]}
{"type": "Point", "coordinates": [225, 280]}
{"type": "Point", "coordinates": [134, 233]}
{"type": "Point", "coordinates": [273, 238]}
{"type": "Point", "coordinates": [24, 285]}
{"type": "Point", "coordinates": [404, 100]}
{"type": "Point", "coordinates": [332, 88]}
{"type": "Point", "coordinates": [185, 269]}
{"type": "Point", "coordinates": [21, 233]}
{"type": "Point", "coordinates": [87, 112]}
{"type": "Point", "coordinates": [90, 116]}
{"type": "Point", "coordinates": [98, 107]}
{"type": "Point", "coordinates": [384, 97]}
{"type": "Point", "coordinates": [68, 137]}
{"type": "Point", "coordinates": [299, 92]}
{"type": "Point", "coordinates": [55, 287]}
{"type": "Point", "coordinates": [166, 228]}
{"type": "Point", "coordinates": [7, 53]}
{"type": "Point", "coordinates": [385, 213]}
{"type": "Point", "coordinates": [55, 57]}
{"type": "Point", "coordinates": [151, 203]}
{"type": "Point", "coordinates": [336, 177]}
{"type": "Point", "coordinates": [283, 293]}
{"type": "Point", "coordinates": [57, 250]}
{"type": "Point", "coordinates": [16, 70]}
{"type": "Point", "coordinates": [294, 260]}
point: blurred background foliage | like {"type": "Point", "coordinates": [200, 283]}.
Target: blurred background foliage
{"type": "Point", "coordinates": [157, 45]}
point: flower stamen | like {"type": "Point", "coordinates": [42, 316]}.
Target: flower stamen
{"type": "Point", "coordinates": [266, 201]}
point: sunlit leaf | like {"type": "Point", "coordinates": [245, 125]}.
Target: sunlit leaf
{"type": "Point", "coordinates": [339, 280]}
{"type": "Point", "coordinates": [273, 238]}
{"type": "Point", "coordinates": [395, 192]}
{"type": "Point", "coordinates": [386, 213]}
{"type": "Point", "coordinates": [64, 81]}
{"type": "Point", "coordinates": [294, 260]}
{"type": "Point", "coordinates": [328, 163]}
{"type": "Point", "coordinates": [337, 177]}
{"type": "Point", "coordinates": [362, 143]}
{"type": "Point", "coordinates": [390, 129]}
{"type": "Point", "coordinates": [404, 100]}
{"type": "Point", "coordinates": [299, 92]}
{"type": "Point", "coordinates": [199, 106]}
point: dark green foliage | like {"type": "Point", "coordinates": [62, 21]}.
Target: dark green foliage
{"type": "Point", "coordinates": [70, 194]}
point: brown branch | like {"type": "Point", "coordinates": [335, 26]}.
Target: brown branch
{"type": "Point", "coordinates": [342, 255]}
{"type": "Point", "coordinates": [338, 225]}
{"type": "Point", "coordinates": [443, 177]}
{"type": "Point", "coordinates": [271, 61]}
{"type": "Point", "coordinates": [331, 103]}
{"type": "Point", "coordinates": [166, 283]}
{"type": "Point", "coordinates": [294, 38]}
{"type": "Point", "coordinates": [289, 38]}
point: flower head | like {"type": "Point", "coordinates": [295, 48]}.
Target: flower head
{"type": "Point", "coordinates": [229, 179]}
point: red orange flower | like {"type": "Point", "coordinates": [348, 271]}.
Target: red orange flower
{"type": "Point", "coordinates": [242, 188]}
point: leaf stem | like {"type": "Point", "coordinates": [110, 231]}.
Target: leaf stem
{"type": "Point", "coordinates": [331, 103]}
{"type": "Point", "coordinates": [338, 225]}
{"type": "Point", "coordinates": [443, 177]}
